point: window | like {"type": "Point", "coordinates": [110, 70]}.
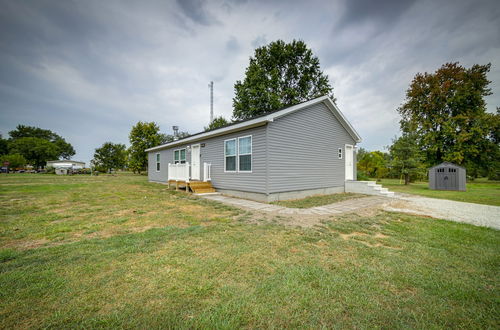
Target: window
{"type": "Point", "coordinates": [158, 162]}
{"type": "Point", "coordinates": [340, 153]}
{"type": "Point", "coordinates": [245, 154]}
{"type": "Point", "coordinates": [230, 155]}
{"type": "Point", "coordinates": [180, 156]}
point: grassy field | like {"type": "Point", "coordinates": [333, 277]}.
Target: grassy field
{"type": "Point", "coordinates": [318, 200]}
{"type": "Point", "coordinates": [116, 251]}
{"type": "Point", "coordinates": [480, 191]}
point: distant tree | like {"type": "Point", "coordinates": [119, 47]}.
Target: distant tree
{"type": "Point", "coordinates": [36, 151]}
{"type": "Point", "coordinates": [166, 138]}
{"type": "Point", "coordinates": [143, 136]}
{"type": "Point", "coordinates": [110, 156]}
{"type": "Point", "coordinates": [279, 74]}
{"type": "Point", "coordinates": [218, 122]}
{"type": "Point", "coordinates": [64, 149]}
{"type": "Point", "coordinates": [15, 160]}
{"type": "Point", "coordinates": [4, 146]}
{"type": "Point", "coordinates": [373, 164]}
{"type": "Point", "coordinates": [445, 112]}
{"type": "Point", "coordinates": [406, 157]}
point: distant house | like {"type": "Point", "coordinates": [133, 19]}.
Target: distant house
{"type": "Point", "coordinates": [305, 149]}
{"type": "Point", "coordinates": [64, 166]}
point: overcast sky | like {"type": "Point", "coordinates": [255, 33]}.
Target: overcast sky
{"type": "Point", "coordinates": [89, 70]}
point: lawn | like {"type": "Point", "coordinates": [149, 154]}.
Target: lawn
{"type": "Point", "coordinates": [318, 200]}
{"type": "Point", "coordinates": [480, 191]}
{"type": "Point", "coordinates": [117, 251]}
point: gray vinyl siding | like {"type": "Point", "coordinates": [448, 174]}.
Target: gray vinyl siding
{"type": "Point", "coordinates": [213, 153]}
{"type": "Point", "coordinates": [303, 150]}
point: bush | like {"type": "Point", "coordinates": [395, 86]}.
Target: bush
{"type": "Point", "coordinates": [361, 176]}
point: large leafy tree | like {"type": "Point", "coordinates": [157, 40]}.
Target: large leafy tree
{"type": "Point", "coordinates": [143, 136]}
{"type": "Point", "coordinates": [15, 160]}
{"type": "Point", "coordinates": [373, 164]}
{"type": "Point", "coordinates": [446, 113]}
{"type": "Point", "coordinates": [218, 122]}
{"type": "Point", "coordinates": [4, 147]}
{"type": "Point", "coordinates": [406, 157]}
{"type": "Point", "coordinates": [110, 156]}
{"type": "Point", "coordinates": [35, 150]}
{"type": "Point", "coordinates": [279, 74]}
{"type": "Point", "coordinates": [64, 149]}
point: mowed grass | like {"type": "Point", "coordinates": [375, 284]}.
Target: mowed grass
{"type": "Point", "coordinates": [480, 191]}
{"type": "Point", "coordinates": [181, 262]}
{"type": "Point", "coordinates": [318, 200]}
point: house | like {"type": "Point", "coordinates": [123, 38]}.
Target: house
{"type": "Point", "coordinates": [447, 176]}
{"type": "Point", "coordinates": [65, 166]}
{"type": "Point", "coordinates": [302, 150]}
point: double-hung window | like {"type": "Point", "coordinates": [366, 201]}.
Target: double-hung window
{"type": "Point", "coordinates": [245, 154]}
{"type": "Point", "coordinates": [158, 162]}
{"type": "Point", "coordinates": [230, 155]}
{"type": "Point", "coordinates": [180, 156]}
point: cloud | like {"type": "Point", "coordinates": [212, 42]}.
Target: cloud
{"type": "Point", "coordinates": [91, 70]}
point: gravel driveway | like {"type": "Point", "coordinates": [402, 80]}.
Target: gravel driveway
{"type": "Point", "coordinates": [475, 214]}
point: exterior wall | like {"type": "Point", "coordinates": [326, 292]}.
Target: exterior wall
{"type": "Point", "coordinates": [213, 153]}
{"type": "Point", "coordinates": [303, 151]}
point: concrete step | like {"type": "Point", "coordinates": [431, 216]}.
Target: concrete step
{"type": "Point", "coordinates": [367, 188]}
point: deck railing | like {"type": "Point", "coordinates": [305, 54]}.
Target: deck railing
{"type": "Point", "coordinates": [207, 171]}
{"type": "Point", "coordinates": [178, 172]}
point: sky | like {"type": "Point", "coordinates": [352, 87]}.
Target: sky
{"type": "Point", "coordinates": [90, 70]}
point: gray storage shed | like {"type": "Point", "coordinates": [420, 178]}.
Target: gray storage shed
{"type": "Point", "coordinates": [447, 176]}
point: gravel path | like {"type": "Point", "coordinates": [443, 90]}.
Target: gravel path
{"type": "Point", "coordinates": [474, 214]}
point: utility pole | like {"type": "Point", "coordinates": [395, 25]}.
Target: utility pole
{"type": "Point", "coordinates": [211, 86]}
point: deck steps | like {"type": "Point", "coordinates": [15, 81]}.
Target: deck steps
{"type": "Point", "coordinates": [201, 187]}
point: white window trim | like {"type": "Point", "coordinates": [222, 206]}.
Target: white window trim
{"type": "Point", "coordinates": [185, 154]}
{"type": "Point", "coordinates": [157, 162]}
{"type": "Point", "coordinates": [235, 155]}
{"type": "Point", "coordinates": [340, 153]}
{"type": "Point", "coordinates": [251, 153]}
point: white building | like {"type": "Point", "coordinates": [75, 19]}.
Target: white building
{"type": "Point", "coordinates": [65, 166]}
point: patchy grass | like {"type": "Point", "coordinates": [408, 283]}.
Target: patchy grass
{"type": "Point", "coordinates": [318, 200]}
{"type": "Point", "coordinates": [146, 264]}
{"type": "Point", "coordinates": [481, 191]}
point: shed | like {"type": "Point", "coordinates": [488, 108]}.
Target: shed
{"type": "Point", "coordinates": [447, 176]}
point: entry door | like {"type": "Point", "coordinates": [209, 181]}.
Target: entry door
{"type": "Point", "coordinates": [195, 162]}
{"type": "Point", "coordinates": [349, 166]}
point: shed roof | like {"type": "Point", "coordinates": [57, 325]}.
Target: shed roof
{"type": "Point", "coordinates": [446, 164]}
{"type": "Point", "coordinates": [262, 120]}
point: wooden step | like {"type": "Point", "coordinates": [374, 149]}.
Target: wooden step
{"type": "Point", "coordinates": [201, 187]}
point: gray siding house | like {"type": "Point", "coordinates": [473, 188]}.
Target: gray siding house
{"type": "Point", "coordinates": [302, 150]}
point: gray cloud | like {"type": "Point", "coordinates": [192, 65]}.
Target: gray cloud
{"type": "Point", "coordinates": [90, 70]}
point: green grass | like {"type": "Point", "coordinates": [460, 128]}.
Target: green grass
{"type": "Point", "coordinates": [480, 191]}
{"type": "Point", "coordinates": [318, 200]}
{"type": "Point", "coordinates": [120, 252]}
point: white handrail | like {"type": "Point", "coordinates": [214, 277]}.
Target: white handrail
{"type": "Point", "coordinates": [207, 172]}
{"type": "Point", "coordinates": [178, 172]}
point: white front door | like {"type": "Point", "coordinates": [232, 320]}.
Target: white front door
{"type": "Point", "coordinates": [195, 162]}
{"type": "Point", "coordinates": [349, 159]}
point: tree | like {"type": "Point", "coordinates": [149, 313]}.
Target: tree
{"type": "Point", "coordinates": [64, 149]}
{"type": "Point", "coordinates": [406, 157]}
{"type": "Point", "coordinates": [36, 151]}
{"type": "Point", "coordinates": [110, 156]}
{"type": "Point", "coordinates": [143, 136]}
{"type": "Point", "coordinates": [166, 138]}
{"type": "Point", "coordinates": [4, 146]}
{"type": "Point", "coordinates": [446, 113]}
{"type": "Point", "coordinates": [218, 122]}
{"type": "Point", "coordinates": [373, 164]}
{"type": "Point", "coordinates": [15, 160]}
{"type": "Point", "coordinates": [279, 75]}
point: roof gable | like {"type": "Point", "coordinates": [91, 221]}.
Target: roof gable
{"type": "Point", "coordinates": [262, 120]}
